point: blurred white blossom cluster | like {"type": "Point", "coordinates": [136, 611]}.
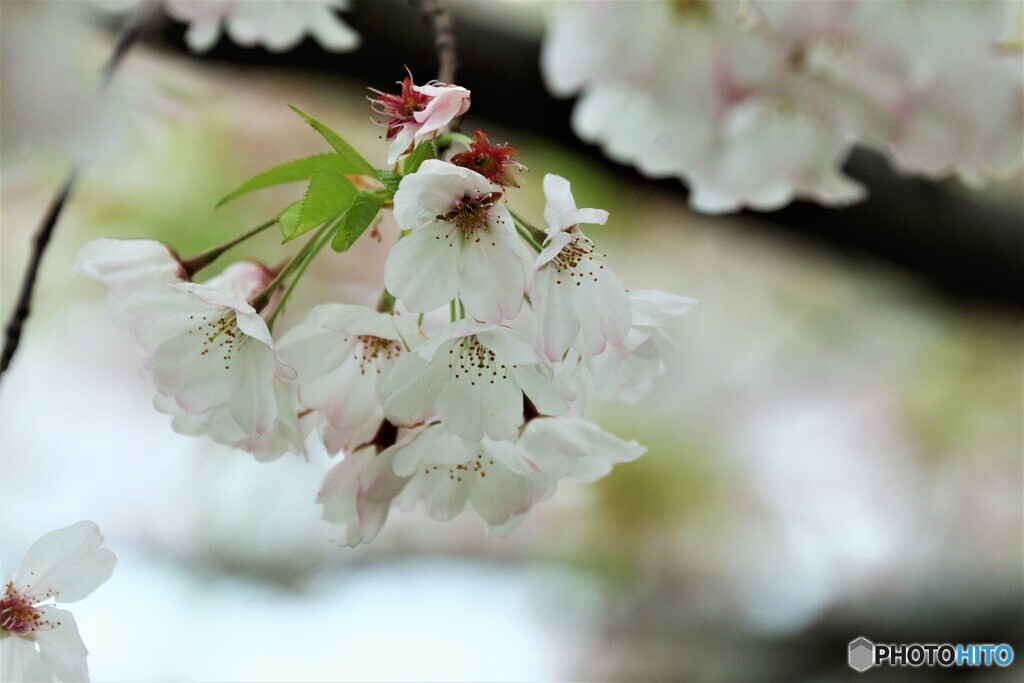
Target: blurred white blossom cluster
{"type": "Point", "coordinates": [482, 411]}
{"type": "Point", "coordinates": [754, 104]}
{"type": "Point", "coordinates": [277, 25]}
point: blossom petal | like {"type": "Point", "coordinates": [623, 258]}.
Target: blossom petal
{"type": "Point", "coordinates": [493, 277]}
{"type": "Point", "coordinates": [61, 651]}
{"type": "Point", "coordinates": [66, 564]}
{"type": "Point", "coordinates": [474, 407]}
{"type": "Point", "coordinates": [570, 447]}
{"type": "Point", "coordinates": [421, 269]}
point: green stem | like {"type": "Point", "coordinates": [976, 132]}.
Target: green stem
{"type": "Point", "coordinates": [200, 261]}
{"type": "Point", "coordinates": [534, 237]}
{"type": "Point", "coordinates": [529, 238]}
{"type": "Point", "coordinates": [451, 310]}
{"type": "Point", "coordinates": [304, 258]}
{"type": "Point", "coordinates": [462, 310]}
{"type": "Point", "coordinates": [386, 302]}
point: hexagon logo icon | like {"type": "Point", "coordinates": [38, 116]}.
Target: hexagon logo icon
{"type": "Point", "coordinates": [862, 654]}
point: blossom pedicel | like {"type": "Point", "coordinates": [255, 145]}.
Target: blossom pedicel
{"type": "Point", "coordinates": [474, 414]}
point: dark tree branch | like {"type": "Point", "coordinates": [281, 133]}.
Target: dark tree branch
{"type": "Point", "coordinates": [23, 307]}
{"type": "Point", "coordinates": [444, 38]}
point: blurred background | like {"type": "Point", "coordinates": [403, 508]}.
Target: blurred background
{"type": "Point", "coordinates": [834, 451]}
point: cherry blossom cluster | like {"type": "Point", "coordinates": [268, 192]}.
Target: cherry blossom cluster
{"type": "Point", "coordinates": [480, 411]}
{"type": "Point", "coordinates": [755, 103]}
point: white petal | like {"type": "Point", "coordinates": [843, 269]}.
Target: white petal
{"type": "Point", "coordinates": [20, 661]}
{"type": "Point", "coordinates": [61, 650]}
{"type": "Point", "coordinates": [410, 388]}
{"type": "Point", "coordinates": [474, 407]}
{"type": "Point", "coordinates": [603, 311]}
{"type": "Point", "coordinates": [575, 448]}
{"type": "Point", "coordinates": [331, 32]}
{"type": "Point", "coordinates": [501, 494]}
{"type": "Point", "coordinates": [356, 496]}
{"type": "Point", "coordinates": [202, 34]}
{"type": "Point", "coordinates": [421, 269]}
{"type": "Point", "coordinates": [555, 314]}
{"type": "Point", "coordinates": [67, 564]}
{"type": "Point", "coordinates": [434, 445]}
{"type": "Point", "coordinates": [547, 397]}
{"type": "Point", "coordinates": [492, 276]}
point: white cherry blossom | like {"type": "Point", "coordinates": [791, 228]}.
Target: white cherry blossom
{"type": "Point", "coordinates": [357, 494]}
{"type": "Point", "coordinates": [575, 296]}
{"type": "Point", "coordinates": [340, 353]}
{"type": "Point", "coordinates": [277, 25]}
{"type": "Point", "coordinates": [207, 351]}
{"type": "Point", "coordinates": [446, 472]}
{"type": "Point", "coordinates": [473, 377]}
{"type": "Point", "coordinates": [38, 641]}
{"type": "Point", "coordinates": [441, 473]}
{"type": "Point", "coordinates": [626, 372]}
{"type": "Point", "coordinates": [462, 243]}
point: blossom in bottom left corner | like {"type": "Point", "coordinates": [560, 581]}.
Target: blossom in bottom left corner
{"type": "Point", "coordinates": [39, 642]}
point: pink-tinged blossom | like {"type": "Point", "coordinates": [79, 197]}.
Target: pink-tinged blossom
{"type": "Point", "coordinates": [341, 352]}
{"type": "Point", "coordinates": [626, 372]}
{"type": "Point", "coordinates": [441, 473]}
{"type": "Point", "coordinates": [577, 299]}
{"type": "Point", "coordinates": [38, 641]}
{"type": "Point", "coordinates": [131, 270]}
{"type": "Point", "coordinates": [418, 113]}
{"type": "Point", "coordinates": [756, 104]}
{"type": "Point", "coordinates": [207, 351]}
{"type": "Point", "coordinates": [277, 25]}
{"type": "Point", "coordinates": [472, 377]}
{"type": "Point", "coordinates": [357, 493]}
{"type": "Point", "coordinates": [462, 243]}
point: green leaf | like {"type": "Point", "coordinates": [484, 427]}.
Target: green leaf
{"type": "Point", "coordinates": [358, 218]}
{"type": "Point", "coordinates": [288, 172]}
{"type": "Point", "coordinates": [354, 161]}
{"type": "Point", "coordinates": [390, 180]}
{"type": "Point", "coordinates": [328, 196]}
{"type": "Point", "coordinates": [289, 220]}
{"type": "Point", "coordinates": [419, 155]}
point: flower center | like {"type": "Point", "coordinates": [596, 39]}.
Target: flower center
{"type": "Point", "coordinates": [471, 360]}
{"type": "Point", "coordinates": [372, 350]}
{"type": "Point", "coordinates": [220, 335]}
{"type": "Point", "coordinates": [576, 260]}
{"type": "Point", "coordinates": [469, 215]}
{"type": "Point", "coordinates": [18, 615]}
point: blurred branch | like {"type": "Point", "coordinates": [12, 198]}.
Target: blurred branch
{"type": "Point", "coordinates": [444, 38]}
{"type": "Point", "coordinates": [44, 233]}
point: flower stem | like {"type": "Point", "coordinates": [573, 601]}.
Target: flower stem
{"type": "Point", "coordinates": [386, 302]}
{"type": "Point", "coordinates": [298, 265]}
{"type": "Point", "coordinates": [534, 237]}
{"type": "Point", "coordinates": [200, 261]}
{"type": "Point", "coordinates": [451, 310]}
{"type": "Point", "coordinates": [23, 308]}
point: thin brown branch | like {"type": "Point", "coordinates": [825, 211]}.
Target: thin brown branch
{"type": "Point", "coordinates": [444, 37]}
{"type": "Point", "coordinates": [23, 307]}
